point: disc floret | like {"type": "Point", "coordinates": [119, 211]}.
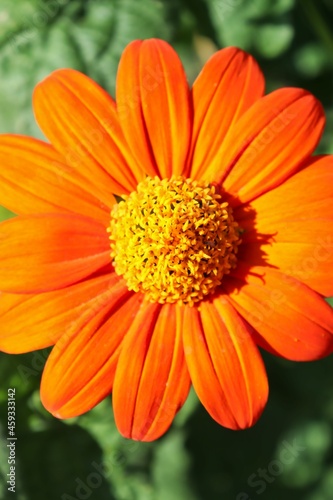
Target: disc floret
{"type": "Point", "coordinates": [173, 239]}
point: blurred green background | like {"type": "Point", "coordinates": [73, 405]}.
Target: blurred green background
{"type": "Point", "coordinates": [289, 453]}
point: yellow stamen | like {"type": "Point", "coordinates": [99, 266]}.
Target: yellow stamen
{"type": "Point", "coordinates": [173, 239]}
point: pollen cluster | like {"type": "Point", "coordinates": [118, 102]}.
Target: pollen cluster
{"type": "Point", "coordinates": [173, 239]}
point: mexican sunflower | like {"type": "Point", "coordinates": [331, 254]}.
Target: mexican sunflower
{"type": "Point", "coordinates": [164, 237]}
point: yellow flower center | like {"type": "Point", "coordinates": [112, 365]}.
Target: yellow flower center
{"type": "Point", "coordinates": [173, 239]}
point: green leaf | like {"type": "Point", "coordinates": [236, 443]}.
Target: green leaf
{"type": "Point", "coordinates": [18, 16]}
{"type": "Point", "coordinates": [89, 37]}
{"type": "Point", "coordinates": [171, 467]}
{"type": "Point", "coordinates": [5, 214]}
{"type": "Point", "coordinates": [250, 26]}
{"type": "Point", "coordinates": [311, 60]}
{"type": "Point", "coordinates": [273, 39]}
{"type": "Point", "coordinates": [330, 301]}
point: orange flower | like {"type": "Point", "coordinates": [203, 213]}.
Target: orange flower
{"type": "Point", "coordinates": [222, 241]}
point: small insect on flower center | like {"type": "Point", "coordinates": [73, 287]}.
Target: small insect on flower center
{"type": "Point", "coordinates": [173, 239]}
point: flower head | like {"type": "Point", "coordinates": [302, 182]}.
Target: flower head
{"type": "Point", "coordinates": [163, 237]}
{"type": "Point", "coordinates": [173, 240]}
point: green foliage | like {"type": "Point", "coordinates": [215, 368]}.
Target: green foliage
{"type": "Point", "coordinates": [196, 460]}
{"type": "Point", "coordinates": [263, 25]}
{"type": "Point", "coordinates": [88, 36]}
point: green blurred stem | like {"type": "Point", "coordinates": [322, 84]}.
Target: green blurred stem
{"type": "Point", "coordinates": [318, 23]}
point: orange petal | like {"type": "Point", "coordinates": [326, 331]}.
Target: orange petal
{"type": "Point", "coordinates": [80, 120]}
{"type": "Point", "coordinates": [80, 370]}
{"type": "Point", "coordinates": [34, 179]}
{"type": "Point", "coordinates": [31, 322]}
{"type": "Point", "coordinates": [46, 252]}
{"type": "Point", "coordinates": [228, 85]}
{"type": "Point", "coordinates": [225, 365]}
{"type": "Point", "coordinates": [270, 142]}
{"type": "Point", "coordinates": [292, 321]}
{"type": "Point", "coordinates": [153, 106]}
{"type": "Point", "coordinates": [151, 382]}
{"type": "Point", "coordinates": [299, 216]}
